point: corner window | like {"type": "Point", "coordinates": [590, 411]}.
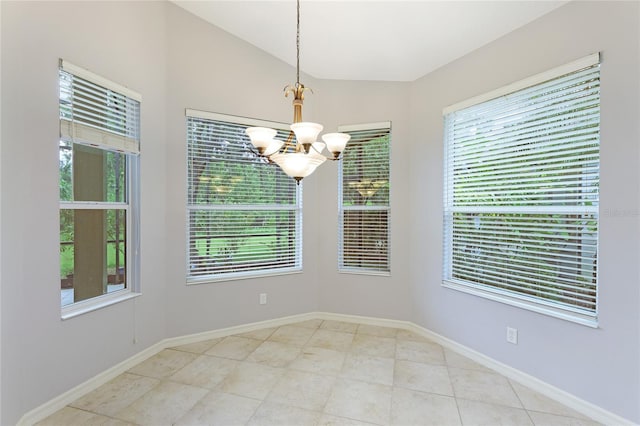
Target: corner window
{"type": "Point", "coordinates": [521, 193]}
{"type": "Point", "coordinates": [244, 215]}
{"type": "Point", "coordinates": [98, 177]}
{"type": "Point", "coordinates": [364, 208]}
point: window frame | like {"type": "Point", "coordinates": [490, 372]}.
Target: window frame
{"type": "Point", "coordinates": [130, 205]}
{"type": "Point", "coordinates": [386, 271]}
{"type": "Point", "coordinates": [296, 208]}
{"type": "Point", "coordinates": [541, 305]}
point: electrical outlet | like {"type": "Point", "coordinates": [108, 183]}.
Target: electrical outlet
{"type": "Point", "coordinates": [512, 335]}
{"type": "Point", "coordinates": [263, 298]}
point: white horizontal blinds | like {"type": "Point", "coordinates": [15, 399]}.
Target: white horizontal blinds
{"type": "Point", "coordinates": [93, 113]}
{"type": "Point", "coordinates": [364, 200]}
{"type": "Point", "coordinates": [521, 193]}
{"type": "Point", "coordinates": [244, 214]}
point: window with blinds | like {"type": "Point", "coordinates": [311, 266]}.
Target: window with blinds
{"type": "Point", "coordinates": [244, 215]}
{"type": "Point", "coordinates": [364, 209]}
{"type": "Point", "coordinates": [98, 178]}
{"type": "Point", "coordinates": [521, 193]}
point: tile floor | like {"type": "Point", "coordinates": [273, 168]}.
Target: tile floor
{"type": "Point", "coordinates": [313, 373]}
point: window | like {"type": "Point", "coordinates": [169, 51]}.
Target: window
{"type": "Point", "coordinates": [244, 215]}
{"type": "Point", "coordinates": [364, 200]}
{"type": "Point", "coordinates": [521, 193]}
{"type": "Point", "coordinates": [98, 159]}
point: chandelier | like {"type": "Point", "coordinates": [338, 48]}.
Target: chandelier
{"type": "Point", "coordinates": [301, 153]}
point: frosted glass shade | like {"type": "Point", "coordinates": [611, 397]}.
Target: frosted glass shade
{"type": "Point", "coordinates": [261, 137]}
{"type": "Point", "coordinates": [273, 147]}
{"type": "Point", "coordinates": [336, 142]}
{"type": "Point", "coordinates": [297, 165]}
{"type": "Point", "coordinates": [306, 133]}
{"type": "Point", "coordinates": [316, 149]}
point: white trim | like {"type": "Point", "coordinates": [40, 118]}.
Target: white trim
{"type": "Point", "coordinates": [521, 301]}
{"type": "Point", "coordinates": [245, 121]}
{"type": "Point", "coordinates": [97, 79]}
{"type": "Point", "coordinates": [60, 401]}
{"type": "Point", "coordinates": [576, 65]}
{"type": "Point", "coordinates": [95, 303]}
{"type": "Point", "coordinates": [244, 275]}
{"type": "Point", "coordinates": [356, 271]}
{"type": "Point", "coordinates": [581, 406]}
{"type": "Point", "coordinates": [365, 126]}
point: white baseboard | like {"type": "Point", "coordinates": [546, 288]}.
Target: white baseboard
{"type": "Point", "coordinates": [59, 402]}
{"type": "Point", "coordinates": [586, 408]}
{"type": "Point", "coordinates": [581, 406]}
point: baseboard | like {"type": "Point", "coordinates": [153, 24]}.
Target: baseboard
{"type": "Point", "coordinates": [100, 379]}
{"type": "Point", "coordinates": [244, 328]}
{"type": "Point", "coordinates": [586, 408]}
{"type": "Point", "coordinates": [581, 406]}
{"type": "Point", "coordinates": [59, 402]}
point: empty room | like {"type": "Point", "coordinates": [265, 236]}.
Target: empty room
{"type": "Point", "coordinates": [320, 212]}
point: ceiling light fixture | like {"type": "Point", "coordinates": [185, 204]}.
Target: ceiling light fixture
{"type": "Point", "coordinates": [300, 157]}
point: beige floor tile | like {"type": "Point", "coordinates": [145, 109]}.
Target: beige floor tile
{"type": "Point", "coordinates": [546, 419]}
{"type": "Point", "coordinates": [234, 347]}
{"type": "Point", "coordinates": [410, 335]}
{"type": "Point", "coordinates": [262, 334]}
{"type": "Point", "coordinates": [419, 408]}
{"type": "Point", "coordinates": [427, 352]}
{"type": "Point", "coordinates": [319, 360]}
{"type": "Point", "coordinates": [367, 402]}
{"type": "Point", "coordinates": [205, 371]}
{"type": "Point", "coordinates": [274, 354]}
{"type": "Point", "coordinates": [375, 330]}
{"type": "Point", "coordinates": [163, 364]}
{"type": "Point", "coordinates": [454, 359]}
{"type": "Point", "coordinates": [313, 323]}
{"type": "Point", "coordinates": [116, 394]}
{"type": "Point", "coordinates": [422, 377]}
{"type": "Point", "coordinates": [345, 327]}
{"type": "Point", "coordinates": [163, 405]}
{"type": "Point", "coordinates": [296, 336]}
{"type": "Point", "coordinates": [69, 416]}
{"type": "Point", "coordinates": [481, 414]}
{"type": "Point", "coordinates": [532, 400]}
{"type": "Point", "coordinates": [368, 369]}
{"type": "Point", "coordinates": [198, 347]}
{"type": "Point", "coordinates": [329, 420]}
{"type": "Point", "coordinates": [219, 408]}
{"type": "Point", "coordinates": [302, 389]}
{"type": "Point", "coordinates": [274, 414]}
{"type": "Point", "coordinates": [251, 380]}
{"type": "Point", "coordinates": [374, 345]}
{"type": "Point", "coordinates": [483, 386]}
{"type": "Point", "coordinates": [328, 339]}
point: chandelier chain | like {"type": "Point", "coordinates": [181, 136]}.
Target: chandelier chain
{"type": "Point", "coordinates": [298, 42]}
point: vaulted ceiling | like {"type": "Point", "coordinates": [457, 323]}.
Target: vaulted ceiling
{"type": "Point", "coordinates": [389, 40]}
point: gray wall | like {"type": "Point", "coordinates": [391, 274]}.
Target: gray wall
{"type": "Point", "coordinates": [599, 365]}
{"type": "Point", "coordinates": [43, 356]}
{"type": "Point", "coordinates": [210, 70]}
{"type": "Point", "coordinates": [177, 61]}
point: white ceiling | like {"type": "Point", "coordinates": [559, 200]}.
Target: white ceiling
{"type": "Point", "coordinates": [389, 40]}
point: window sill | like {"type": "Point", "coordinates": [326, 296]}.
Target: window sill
{"type": "Point", "coordinates": [524, 303]}
{"type": "Point", "coordinates": [356, 271]}
{"type": "Point", "coordinates": [84, 307]}
{"type": "Point", "coordinates": [241, 276]}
